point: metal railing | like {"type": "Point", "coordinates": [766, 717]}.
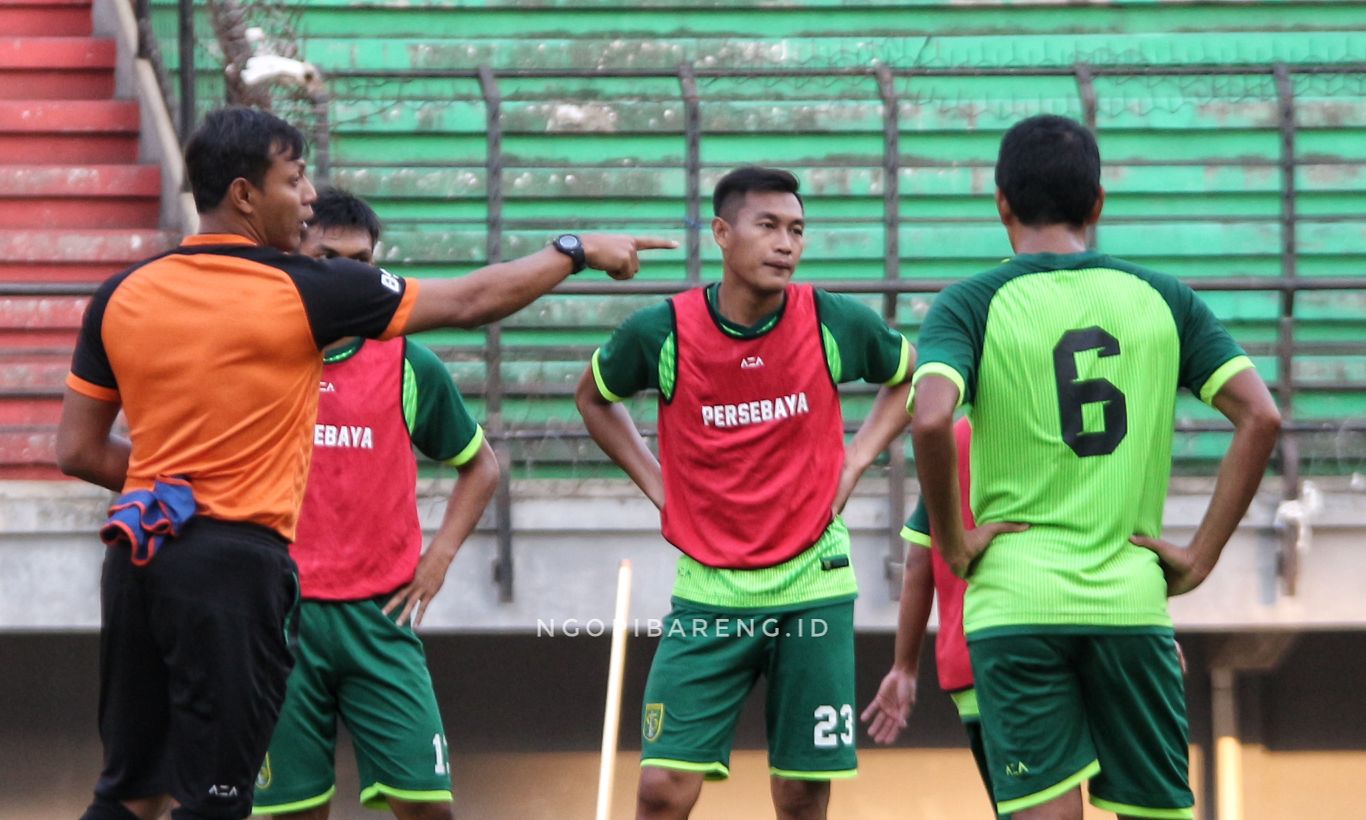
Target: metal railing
{"type": "Point", "coordinates": [149, 48]}
{"type": "Point", "coordinates": [894, 282]}
{"type": "Point", "coordinates": [1288, 284]}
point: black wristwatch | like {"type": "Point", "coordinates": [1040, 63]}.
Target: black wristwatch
{"type": "Point", "coordinates": [571, 246]}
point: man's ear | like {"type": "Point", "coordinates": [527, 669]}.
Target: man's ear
{"type": "Point", "coordinates": [720, 231]}
{"type": "Point", "coordinates": [1003, 208]}
{"type": "Point", "coordinates": [242, 194]}
{"type": "Point", "coordinates": [1094, 216]}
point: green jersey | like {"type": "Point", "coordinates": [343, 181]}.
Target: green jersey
{"type": "Point", "coordinates": [1071, 364]}
{"type": "Point", "coordinates": [858, 345]}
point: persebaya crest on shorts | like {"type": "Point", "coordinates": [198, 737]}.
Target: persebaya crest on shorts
{"type": "Point", "coordinates": [653, 724]}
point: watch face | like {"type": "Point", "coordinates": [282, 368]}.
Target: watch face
{"type": "Point", "coordinates": [569, 241]}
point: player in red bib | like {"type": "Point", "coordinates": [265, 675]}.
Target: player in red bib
{"type": "Point", "coordinates": [752, 474]}
{"type": "Point", "coordinates": [364, 578]}
{"type": "Point", "coordinates": [928, 578]}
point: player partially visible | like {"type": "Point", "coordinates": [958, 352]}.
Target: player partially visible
{"type": "Point", "coordinates": [1071, 361]}
{"type": "Point", "coordinates": [753, 472]}
{"type": "Point", "coordinates": [925, 579]}
{"type": "Point", "coordinates": [365, 579]}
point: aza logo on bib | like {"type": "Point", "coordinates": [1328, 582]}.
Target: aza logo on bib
{"type": "Point", "coordinates": [653, 724]}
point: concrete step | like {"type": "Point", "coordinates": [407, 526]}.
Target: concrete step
{"type": "Point", "coordinates": [91, 245]}
{"type": "Point", "coordinates": [46, 132]}
{"type": "Point", "coordinates": [33, 374]}
{"type": "Point", "coordinates": [66, 68]}
{"type": "Point", "coordinates": [86, 255]}
{"type": "Point", "coordinates": [86, 196]}
{"type": "Point", "coordinates": [45, 18]}
{"type": "Point", "coordinates": [29, 412]}
{"type": "Point", "coordinates": [28, 455]}
{"type": "Point", "coordinates": [31, 387]}
{"type": "Point", "coordinates": [27, 322]}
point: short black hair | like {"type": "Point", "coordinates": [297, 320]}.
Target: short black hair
{"type": "Point", "coordinates": [1049, 171]}
{"type": "Point", "coordinates": [236, 142]}
{"type": "Point", "coordinates": [336, 208]}
{"type": "Point", "coordinates": [733, 187]}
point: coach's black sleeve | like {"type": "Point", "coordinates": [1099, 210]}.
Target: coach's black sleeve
{"type": "Point", "coordinates": [346, 298]}
{"type": "Point", "coordinates": [90, 362]}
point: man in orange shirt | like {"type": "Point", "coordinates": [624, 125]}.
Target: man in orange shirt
{"type": "Point", "coordinates": [212, 352]}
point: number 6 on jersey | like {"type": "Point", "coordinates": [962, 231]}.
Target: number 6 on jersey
{"type": "Point", "coordinates": [1074, 394]}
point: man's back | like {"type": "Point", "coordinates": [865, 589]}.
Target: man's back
{"type": "Point", "coordinates": [1075, 364]}
{"type": "Point", "coordinates": [214, 353]}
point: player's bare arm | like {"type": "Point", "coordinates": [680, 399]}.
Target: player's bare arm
{"type": "Point", "coordinates": [885, 422]}
{"type": "Point", "coordinates": [886, 716]}
{"type": "Point", "coordinates": [477, 482]}
{"type": "Point", "coordinates": [616, 433]}
{"type": "Point", "coordinates": [86, 448]}
{"type": "Point", "coordinates": [936, 462]}
{"type": "Point", "coordinates": [501, 289]}
{"type": "Point", "coordinates": [1245, 401]}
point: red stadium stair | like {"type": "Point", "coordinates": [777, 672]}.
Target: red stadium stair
{"type": "Point", "coordinates": [76, 206]}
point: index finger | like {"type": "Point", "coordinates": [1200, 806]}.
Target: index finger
{"type": "Point", "coordinates": [652, 243]}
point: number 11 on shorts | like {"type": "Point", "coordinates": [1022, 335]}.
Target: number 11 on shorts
{"type": "Point", "coordinates": [443, 754]}
{"type": "Point", "coordinates": [827, 722]}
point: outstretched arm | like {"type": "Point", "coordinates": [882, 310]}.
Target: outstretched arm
{"type": "Point", "coordinates": [473, 489]}
{"type": "Point", "coordinates": [886, 716]}
{"type": "Point", "coordinates": [1246, 402]}
{"type": "Point", "coordinates": [885, 422]}
{"type": "Point", "coordinates": [501, 289]}
{"type": "Point", "coordinates": [86, 449]}
{"type": "Point", "coordinates": [615, 432]}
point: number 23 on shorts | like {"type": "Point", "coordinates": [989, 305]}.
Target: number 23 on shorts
{"type": "Point", "coordinates": [828, 734]}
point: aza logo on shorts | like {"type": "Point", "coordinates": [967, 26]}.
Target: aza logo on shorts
{"type": "Point", "coordinates": [263, 777]}
{"type": "Point", "coordinates": [653, 724]}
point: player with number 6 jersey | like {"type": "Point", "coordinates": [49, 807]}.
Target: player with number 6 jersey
{"type": "Point", "coordinates": [1071, 360]}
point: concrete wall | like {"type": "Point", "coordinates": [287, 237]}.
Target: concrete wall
{"type": "Point", "coordinates": [569, 536]}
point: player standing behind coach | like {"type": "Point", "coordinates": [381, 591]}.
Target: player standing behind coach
{"type": "Point", "coordinates": [212, 352]}
{"type": "Point", "coordinates": [363, 577]}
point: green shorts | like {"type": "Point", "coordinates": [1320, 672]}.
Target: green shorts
{"type": "Point", "coordinates": [1107, 706]}
{"type": "Point", "coordinates": [966, 701]}
{"type": "Point", "coordinates": [708, 662]}
{"type": "Point", "coordinates": [353, 662]}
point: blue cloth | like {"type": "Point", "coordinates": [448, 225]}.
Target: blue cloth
{"type": "Point", "coordinates": [144, 519]}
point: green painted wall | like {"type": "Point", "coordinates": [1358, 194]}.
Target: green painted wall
{"type": "Point", "coordinates": [1192, 162]}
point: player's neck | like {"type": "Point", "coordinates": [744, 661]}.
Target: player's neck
{"type": "Point", "coordinates": [1047, 239]}
{"type": "Point", "coordinates": [223, 223]}
{"type": "Point", "coordinates": [744, 307]}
